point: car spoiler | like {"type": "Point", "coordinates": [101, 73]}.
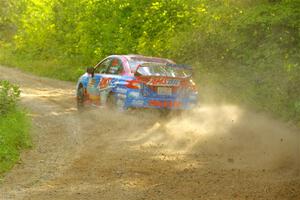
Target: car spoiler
{"type": "Point", "coordinates": [180, 66]}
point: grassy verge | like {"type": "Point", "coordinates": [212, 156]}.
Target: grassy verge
{"type": "Point", "coordinates": [14, 126]}
{"type": "Point", "coordinates": [14, 136]}
{"type": "Point", "coordinates": [68, 70]}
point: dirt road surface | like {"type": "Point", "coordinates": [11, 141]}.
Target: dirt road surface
{"type": "Point", "coordinates": [212, 152]}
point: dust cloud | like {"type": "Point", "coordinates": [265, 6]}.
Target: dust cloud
{"type": "Point", "coordinates": [234, 137]}
{"type": "Point", "coordinates": [242, 138]}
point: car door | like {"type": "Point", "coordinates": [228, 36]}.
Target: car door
{"type": "Point", "coordinates": [100, 73]}
{"type": "Point", "coordinates": [109, 76]}
{"type": "Point", "coordinates": [115, 70]}
{"type": "Point", "coordinates": [108, 71]}
{"type": "Point", "coordinates": [93, 81]}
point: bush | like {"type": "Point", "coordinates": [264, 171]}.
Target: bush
{"type": "Point", "coordinates": [14, 126]}
{"type": "Point", "coordinates": [9, 95]}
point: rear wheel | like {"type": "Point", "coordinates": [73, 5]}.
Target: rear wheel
{"type": "Point", "coordinates": [170, 113]}
{"type": "Point", "coordinates": [111, 101]}
{"type": "Point", "coordinates": [115, 103]}
{"type": "Point", "coordinates": [164, 112]}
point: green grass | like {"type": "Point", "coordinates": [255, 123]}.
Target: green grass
{"type": "Point", "coordinates": [69, 70]}
{"type": "Point", "coordinates": [14, 136]}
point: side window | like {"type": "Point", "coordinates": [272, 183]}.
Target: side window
{"type": "Point", "coordinates": [102, 68]}
{"type": "Point", "coordinates": [115, 66]}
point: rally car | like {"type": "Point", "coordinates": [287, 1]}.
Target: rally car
{"type": "Point", "coordinates": [136, 81]}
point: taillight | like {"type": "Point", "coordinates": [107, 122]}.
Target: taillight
{"type": "Point", "coordinates": [193, 85]}
{"type": "Point", "coordinates": [133, 84]}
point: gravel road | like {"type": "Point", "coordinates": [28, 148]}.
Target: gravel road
{"type": "Point", "coordinates": [212, 152]}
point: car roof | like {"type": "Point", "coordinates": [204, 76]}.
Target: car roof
{"type": "Point", "coordinates": [147, 58]}
{"type": "Point", "coordinates": [137, 57]}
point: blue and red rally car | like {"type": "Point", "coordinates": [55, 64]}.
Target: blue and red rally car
{"type": "Point", "coordinates": [135, 81]}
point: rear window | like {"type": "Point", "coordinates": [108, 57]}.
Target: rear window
{"type": "Point", "coordinates": [163, 69]}
{"type": "Point", "coordinates": [134, 62]}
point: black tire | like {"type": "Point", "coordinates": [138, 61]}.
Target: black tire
{"type": "Point", "coordinates": [164, 112]}
{"type": "Point", "coordinates": [170, 113]}
{"type": "Point", "coordinates": [111, 102]}
{"type": "Point", "coordinates": [80, 97]}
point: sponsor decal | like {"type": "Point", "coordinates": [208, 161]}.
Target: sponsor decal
{"type": "Point", "coordinates": [104, 83]}
{"type": "Point", "coordinates": [134, 94]}
{"type": "Point", "coordinates": [163, 82]}
{"type": "Point", "coordinates": [137, 102]}
{"type": "Point", "coordinates": [121, 90]}
{"type": "Point", "coordinates": [165, 104]}
{"type": "Point", "coordinates": [91, 82]}
{"type": "Point", "coordinates": [122, 96]}
{"type": "Point", "coordinates": [92, 92]}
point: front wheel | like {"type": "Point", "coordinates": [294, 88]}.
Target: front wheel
{"type": "Point", "coordinates": [80, 97]}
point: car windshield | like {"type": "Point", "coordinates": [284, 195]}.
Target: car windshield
{"type": "Point", "coordinates": [160, 69]}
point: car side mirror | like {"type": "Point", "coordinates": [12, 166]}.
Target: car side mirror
{"type": "Point", "coordinates": [90, 70]}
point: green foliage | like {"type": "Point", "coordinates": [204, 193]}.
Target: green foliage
{"type": "Point", "coordinates": [250, 52]}
{"type": "Point", "coordinates": [86, 30]}
{"type": "Point", "coordinates": [7, 26]}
